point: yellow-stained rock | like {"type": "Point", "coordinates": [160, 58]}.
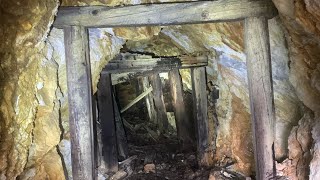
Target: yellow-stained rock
{"type": "Point", "coordinates": [137, 33]}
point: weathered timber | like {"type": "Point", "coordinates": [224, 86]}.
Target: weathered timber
{"type": "Point", "coordinates": [162, 119]}
{"type": "Point", "coordinates": [183, 123]}
{"type": "Point", "coordinates": [80, 102]}
{"type": "Point", "coordinates": [107, 122]}
{"type": "Point", "coordinates": [154, 64]}
{"type": "Point", "coordinates": [164, 14]}
{"type": "Point", "coordinates": [122, 142]}
{"type": "Point", "coordinates": [144, 81]}
{"type": "Point", "coordinates": [198, 76]}
{"type": "Point", "coordinates": [261, 94]}
{"type": "Point", "coordinates": [137, 99]}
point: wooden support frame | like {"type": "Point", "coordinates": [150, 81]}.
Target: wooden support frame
{"type": "Point", "coordinates": [107, 121]}
{"type": "Point", "coordinates": [261, 94]}
{"type": "Point", "coordinates": [182, 120]}
{"type": "Point", "coordinates": [74, 20]}
{"type": "Point", "coordinates": [200, 106]}
{"type": "Point", "coordinates": [163, 14]}
{"type": "Point", "coordinates": [80, 102]}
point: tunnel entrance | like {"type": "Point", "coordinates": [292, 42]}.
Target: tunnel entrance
{"type": "Point", "coordinates": [146, 118]}
{"type": "Point", "coordinates": [76, 20]}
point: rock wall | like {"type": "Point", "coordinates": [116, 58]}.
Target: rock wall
{"type": "Point", "coordinates": [34, 110]}
{"type": "Point", "coordinates": [24, 28]}
{"type": "Point", "coordinates": [301, 21]}
{"type": "Point", "coordinates": [33, 100]}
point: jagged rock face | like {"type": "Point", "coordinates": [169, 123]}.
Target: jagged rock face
{"type": "Point", "coordinates": [301, 19]}
{"type": "Point", "coordinates": [25, 25]}
{"type": "Point", "coordinates": [34, 110]}
{"type": "Point", "coordinates": [301, 140]}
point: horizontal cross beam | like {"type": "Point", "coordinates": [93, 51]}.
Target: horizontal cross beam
{"type": "Point", "coordinates": [154, 64]}
{"type": "Point", "coordinates": [164, 14]}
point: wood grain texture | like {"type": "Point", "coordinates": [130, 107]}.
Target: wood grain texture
{"type": "Point", "coordinates": [107, 122]}
{"type": "Point", "coordinates": [159, 102]}
{"type": "Point", "coordinates": [164, 14]}
{"type": "Point", "coordinates": [183, 123]}
{"type": "Point", "coordinates": [198, 76]}
{"type": "Point", "coordinates": [154, 64]}
{"type": "Point", "coordinates": [261, 94]}
{"type": "Point", "coordinates": [80, 102]}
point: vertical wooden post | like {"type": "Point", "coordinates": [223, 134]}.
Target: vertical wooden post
{"type": "Point", "coordinates": [200, 102]}
{"type": "Point", "coordinates": [159, 102]}
{"type": "Point", "coordinates": [80, 101]}
{"type": "Point", "coordinates": [149, 100]}
{"type": "Point", "coordinates": [107, 121]}
{"type": "Point", "coordinates": [261, 94]}
{"type": "Point", "coordinates": [182, 120]}
{"type": "Point", "coordinates": [122, 142]}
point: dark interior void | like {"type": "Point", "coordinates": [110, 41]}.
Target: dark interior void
{"type": "Point", "coordinates": [157, 155]}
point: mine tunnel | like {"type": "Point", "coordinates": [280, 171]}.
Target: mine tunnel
{"type": "Point", "coordinates": [146, 117]}
{"type": "Point", "coordinates": [177, 90]}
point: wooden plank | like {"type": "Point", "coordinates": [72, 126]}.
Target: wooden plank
{"type": "Point", "coordinates": [80, 102]}
{"type": "Point", "coordinates": [162, 119]}
{"type": "Point", "coordinates": [154, 64]}
{"type": "Point", "coordinates": [183, 123]}
{"type": "Point", "coordinates": [107, 122]}
{"type": "Point", "coordinates": [122, 142]}
{"type": "Point", "coordinates": [144, 81]}
{"type": "Point", "coordinates": [163, 14]}
{"type": "Point", "coordinates": [198, 76]}
{"type": "Point", "coordinates": [261, 94]}
{"type": "Point", "coordinates": [137, 99]}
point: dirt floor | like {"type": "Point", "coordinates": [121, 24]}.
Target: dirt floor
{"type": "Point", "coordinates": [160, 157]}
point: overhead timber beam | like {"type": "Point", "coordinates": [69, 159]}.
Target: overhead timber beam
{"type": "Point", "coordinates": [164, 13]}
{"type": "Point", "coordinates": [154, 64]}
